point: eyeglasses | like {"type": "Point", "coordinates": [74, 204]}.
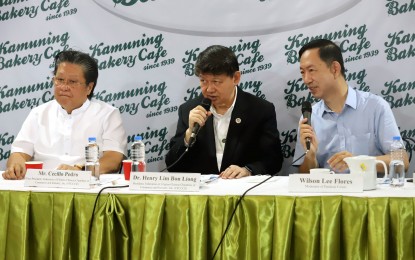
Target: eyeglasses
{"type": "Point", "coordinates": [70, 83]}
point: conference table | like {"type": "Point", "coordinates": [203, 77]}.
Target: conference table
{"type": "Point", "coordinates": [270, 223]}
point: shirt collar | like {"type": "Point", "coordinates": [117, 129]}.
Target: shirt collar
{"type": "Point", "coordinates": [351, 101]}
{"type": "Point", "coordinates": [230, 109]}
{"type": "Point", "coordinates": [76, 111]}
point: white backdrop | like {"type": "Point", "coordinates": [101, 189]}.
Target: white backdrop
{"type": "Point", "coordinates": [146, 52]}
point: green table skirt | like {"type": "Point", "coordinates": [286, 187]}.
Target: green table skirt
{"type": "Point", "coordinates": [35, 225]}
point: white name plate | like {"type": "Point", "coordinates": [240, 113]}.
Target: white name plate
{"type": "Point", "coordinates": [165, 181]}
{"type": "Point", "coordinates": [58, 179]}
{"type": "Point", "coordinates": [320, 183]}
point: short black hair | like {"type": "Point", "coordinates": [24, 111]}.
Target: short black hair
{"type": "Point", "coordinates": [217, 60]}
{"type": "Point", "coordinates": [328, 52]}
{"type": "Point", "coordinates": [88, 64]}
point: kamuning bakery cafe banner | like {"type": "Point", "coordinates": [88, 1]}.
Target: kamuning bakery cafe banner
{"type": "Point", "coordinates": [146, 52]}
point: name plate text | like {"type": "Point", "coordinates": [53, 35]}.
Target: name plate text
{"type": "Point", "coordinates": [163, 181]}
{"type": "Point", "coordinates": [322, 183]}
{"type": "Point", "coordinates": [58, 179]}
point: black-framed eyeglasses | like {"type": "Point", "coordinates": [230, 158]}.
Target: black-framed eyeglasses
{"type": "Point", "coordinates": [67, 82]}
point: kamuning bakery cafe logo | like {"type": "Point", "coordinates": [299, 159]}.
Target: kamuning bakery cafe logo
{"type": "Point", "coordinates": [55, 9]}
{"type": "Point", "coordinates": [32, 51]}
{"type": "Point", "coordinates": [351, 40]}
{"type": "Point", "coordinates": [5, 142]}
{"type": "Point", "coordinates": [400, 7]}
{"type": "Point", "coordinates": [190, 17]}
{"type": "Point", "coordinates": [247, 52]}
{"type": "Point", "coordinates": [147, 48]}
{"type": "Point", "coordinates": [400, 45]}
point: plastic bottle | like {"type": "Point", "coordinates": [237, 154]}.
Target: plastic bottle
{"type": "Point", "coordinates": [138, 152]}
{"type": "Point", "coordinates": [396, 166]}
{"type": "Point", "coordinates": [92, 158]}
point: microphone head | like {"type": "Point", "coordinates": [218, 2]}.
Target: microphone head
{"type": "Point", "coordinates": [306, 107]}
{"type": "Point", "coordinates": [206, 103]}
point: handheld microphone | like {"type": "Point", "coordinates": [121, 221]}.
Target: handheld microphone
{"type": "Point", "coordinates": [306, 110]}
{"type": "Point", "coordinates": [206, 105]}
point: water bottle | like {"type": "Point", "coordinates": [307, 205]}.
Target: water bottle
{"type": "Point", "coordinates": [92, 159]}
{"type": "Point", "coordinates": [396, 166]}
{"type": "Point", "coordinates": [138, 152]}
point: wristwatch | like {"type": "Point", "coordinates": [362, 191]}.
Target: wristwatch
{"type": "Point", "coordinates": [79, 166]}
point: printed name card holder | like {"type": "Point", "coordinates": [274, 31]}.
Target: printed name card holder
{"type": "Point", "coordinates": [164, 181]}
{"type": "Point", "coordinates": [325, 183]}
{"type": "Point", "coordinates": [58, 179]}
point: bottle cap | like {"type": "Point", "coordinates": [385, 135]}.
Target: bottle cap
{"type": "Point", "coordinates": [138, 138]}
{"type": "Point", "coordinates": [396, 138]}
{"type": "Point", "coordinates": [92, 139]}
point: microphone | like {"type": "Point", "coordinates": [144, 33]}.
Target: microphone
{"type": "Point", "coordinates": [306, 110]}
{"type": "Point", "coordinates": [206, 105]}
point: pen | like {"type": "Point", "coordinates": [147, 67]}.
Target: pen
{"type": "Point", "coordinates": [212, 179]}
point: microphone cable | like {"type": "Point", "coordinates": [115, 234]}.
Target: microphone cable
{"type": "Point", "coordinates": [229, 222]}
{"type": "Point", "coordinates": [93, 214]}
{"type": "Point", "coordinates": [206, 103]}
{"type": "Point", "coordinates": [408, 144]}
{"type": "Point", "coordinates": [114, 187]}
{"type": "Point", "coordinates": [126, 186]}
{"type": "Point", "coordinates": [237, 205]}
{"type": "Point", "coordinates": [175, 162]}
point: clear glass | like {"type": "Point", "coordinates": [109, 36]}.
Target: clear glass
{"type": "Point", "coordinates": [397, 173]}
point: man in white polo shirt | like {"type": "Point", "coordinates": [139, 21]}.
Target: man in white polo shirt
{"type": "Point", "coordinates": [56, 132]}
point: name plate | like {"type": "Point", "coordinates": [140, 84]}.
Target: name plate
{"type": "Point", "coordinates": [325, 183]}
{"type": "Point", "coordinates": [58, 179]}
{"type": "Point", "coordinates": [165, 181]}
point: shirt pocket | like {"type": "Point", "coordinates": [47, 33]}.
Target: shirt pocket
{"type": "Point", "coordinates": [362, 144]}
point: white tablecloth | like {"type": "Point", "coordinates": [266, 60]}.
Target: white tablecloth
{"type": "Point", "coordinates": [277, 186]}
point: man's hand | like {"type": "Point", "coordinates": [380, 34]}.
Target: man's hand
{"type": "Point", "coordinates": [337, 163]}
{"type": "Point", "coordinates": [65, 167]}
{"type": "Point", "coordinates": [15, 171]}
{"type": "Point", "coordinates": [234, 172]}
{"type": "Point", "coordinates": [308, 131]}
{"type": "Point", "coordinates": [197, 115]}
{"type": "Point", "coordinates": [310, 159]}
{"type": "Point", "coordinates": [16, 168]}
